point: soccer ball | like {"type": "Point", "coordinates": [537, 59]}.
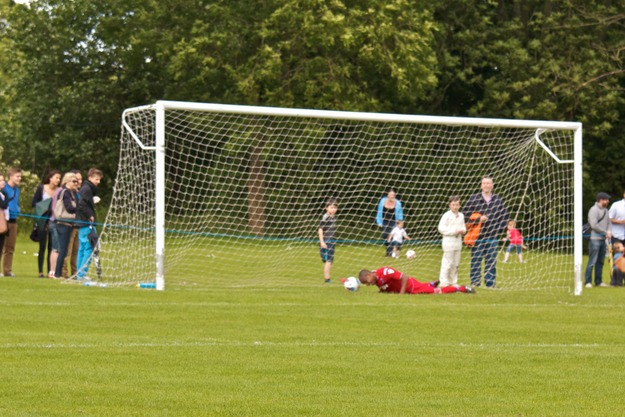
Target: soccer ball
{"type": "Point", "coordinates": [411, 254]}
{"type": "Point", "coordinates": [351, 284]}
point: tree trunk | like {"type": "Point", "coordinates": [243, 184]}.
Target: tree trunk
{"type": "Point", "coordinates": [256, 191]}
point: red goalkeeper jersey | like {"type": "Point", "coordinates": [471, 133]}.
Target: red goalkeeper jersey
{"type": "Point", "coordinates": [389, 280]}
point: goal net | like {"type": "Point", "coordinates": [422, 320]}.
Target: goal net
{"type": "Point", "coordinates": [232, 196]}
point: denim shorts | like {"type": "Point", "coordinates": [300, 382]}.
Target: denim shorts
{"type": "Point", "coordinates": [512, 247]}
{"type": "Point", "coordinates": [54, 236]}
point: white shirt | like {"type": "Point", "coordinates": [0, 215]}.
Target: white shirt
{"type": "Point", "coordinates": [617, 212]}
{"type": "Point", "coordinates": [398, 235]}
{"type": "Point", "coordinates": [448, 227]}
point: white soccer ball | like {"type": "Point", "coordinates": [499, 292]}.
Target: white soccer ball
{"type": "Point", "coordinates": [351, 284]}
{"type": "Point", "coordinates": [411, 254]}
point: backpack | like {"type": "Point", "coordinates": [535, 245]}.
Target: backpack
{"type": "Point", "coordinates": [587, 230]}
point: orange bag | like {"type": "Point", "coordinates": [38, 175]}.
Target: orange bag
{"type": "Point", "coordinates": [473, 229]}
{"type": "Point", "coordinates": [620, 263]}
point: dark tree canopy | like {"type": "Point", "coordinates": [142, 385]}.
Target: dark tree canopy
{"type": "Point", "coordinates": [68, 69]}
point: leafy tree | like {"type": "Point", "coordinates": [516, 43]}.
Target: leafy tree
{"type": "Point", "coordinates": [74, 66]}
{"type": "Point", "coordinates": [353, 55]}
{"type": "Point", "coordinates": [356, 55]}
{"type": "Point", "coordinates": [538, 60]}
{"type": "Point", "coordinates": [68, 69]}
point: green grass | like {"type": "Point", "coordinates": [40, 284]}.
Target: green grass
{"type": "Point", "coordinates": [314, 350]}
{"type": "Point", "coordinates": [248, 263]}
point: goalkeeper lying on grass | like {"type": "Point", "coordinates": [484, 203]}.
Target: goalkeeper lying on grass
{"type": "Point", "coordinates": [391, 280]}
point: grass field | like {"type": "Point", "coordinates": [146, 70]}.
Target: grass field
{"type": "Point", "coordinates": [69, 350]}
{"type": "Point", "coordinates": [248, 263]}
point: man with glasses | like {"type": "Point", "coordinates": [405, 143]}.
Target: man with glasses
{"type": "Point", "coordinates": [601, 229]}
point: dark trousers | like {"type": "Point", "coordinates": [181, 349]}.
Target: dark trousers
{"type": "Point", "coordinates": [44, 240]}
{"type": "Point", "coordinates": [65, 233]}
{"type": "Point", "coordinates": [387, 228]}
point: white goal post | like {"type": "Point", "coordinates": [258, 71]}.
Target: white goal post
{"type": "Point", "coordinates": [215, 183]}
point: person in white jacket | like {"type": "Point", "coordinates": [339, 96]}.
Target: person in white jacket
{"type": "Point", "coordinates": [452, 228]}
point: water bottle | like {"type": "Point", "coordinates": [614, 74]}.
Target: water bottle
{"type": "Point", "coordinates": [146, 285]}
{"type": "Point", "coordinates": [95, 284]}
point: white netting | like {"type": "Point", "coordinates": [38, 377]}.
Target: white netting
{"type": "Point", "coordinates": [245, 194]}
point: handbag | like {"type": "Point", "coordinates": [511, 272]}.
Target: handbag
{"type": "Point", "coordinates": [60, 212]}
{"type": "Point", "coordinates": [4, 227]}
{"type": "Point", "coordinates": [34, 234]}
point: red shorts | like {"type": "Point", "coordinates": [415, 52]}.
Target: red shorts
{"type": "Point", "coordinates": [416, 287]}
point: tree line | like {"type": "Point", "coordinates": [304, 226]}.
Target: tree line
{"type": "Point", "coordinates": [68, 69]}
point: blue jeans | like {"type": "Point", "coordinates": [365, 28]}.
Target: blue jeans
{"type": "Point", "coordinates": [596, 258]}
{"type": "Point", "coordinates": [484, 250]}
{"type": "Point", "coordinates": [83, 259]}
{"type": "Point", "coordinates": [63, 232]}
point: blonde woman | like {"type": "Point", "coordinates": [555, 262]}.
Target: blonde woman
{"type": "Point", "coordinates": [61, 229]}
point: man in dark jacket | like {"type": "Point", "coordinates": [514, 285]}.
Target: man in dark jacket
{"type": "Point", "coordinates": [494, 218]}
{"type": "Point", "coordinates": [85, 215]}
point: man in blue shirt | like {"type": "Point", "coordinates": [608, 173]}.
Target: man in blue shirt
{"type": "Point", "coordinates": [12, 191]}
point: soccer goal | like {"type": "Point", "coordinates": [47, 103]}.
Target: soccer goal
{"type": "Point", "coordinates": [211, 195]}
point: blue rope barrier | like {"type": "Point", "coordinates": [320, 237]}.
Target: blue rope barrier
{"type": "Point", "coordinates": [412, 242]}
